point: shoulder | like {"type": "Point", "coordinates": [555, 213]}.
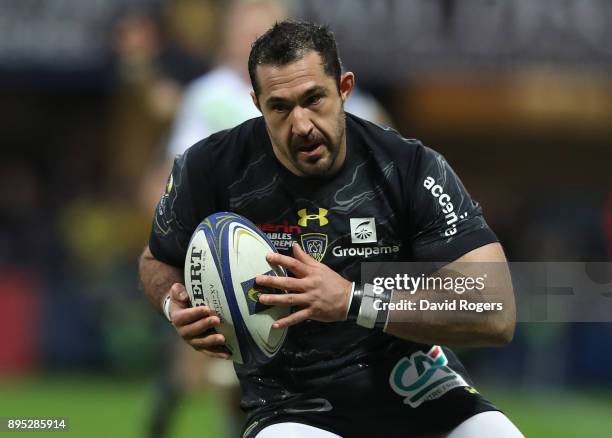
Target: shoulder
{"type": "Point", "coordinates": [229, 144]}
{"type": "Point", "coordinates": [383, 140]}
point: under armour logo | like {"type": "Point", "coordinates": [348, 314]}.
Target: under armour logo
{"type": "Point", "coordinates": [305, 217]}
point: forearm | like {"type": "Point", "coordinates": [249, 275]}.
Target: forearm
{"type": "Point", "coordinates": [430, 323]}
{"type": "Point", "coordinates": [440, 316]}
{"type": "Point", "coordinates": [156, 278]}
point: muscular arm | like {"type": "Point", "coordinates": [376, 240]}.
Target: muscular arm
{"type": "Point", "coordinates": [193, 324]}
{"type": "Point", "coordinates": [323, 295]}
{"type": "Point", "coordinates": [456, 327]}
{"type": "Point", "coordinates": [157, 278]}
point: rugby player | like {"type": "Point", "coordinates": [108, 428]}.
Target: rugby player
{"type": "Point", "coordinates": [335, 184]}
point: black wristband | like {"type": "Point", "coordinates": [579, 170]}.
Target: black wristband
{"type": "Point", "coordinates": [383, 314]}
{"type": "Point", "coordinates": [353, 311]}
{"type": "Point", "coordinates": [373, 311]}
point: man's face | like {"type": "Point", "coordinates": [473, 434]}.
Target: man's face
{"type": "Point", "coordinates": [304, 114]}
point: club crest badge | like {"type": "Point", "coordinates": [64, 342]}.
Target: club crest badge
{"type": "Point", "coordinates": [252, 291]}
{"type": "Point", "coordinates": [315, 245]}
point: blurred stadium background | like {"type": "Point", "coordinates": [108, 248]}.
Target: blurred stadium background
{"type": "Point", "coordinates": [517, 94]}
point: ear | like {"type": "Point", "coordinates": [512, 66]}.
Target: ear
{"type": "Point", "coordinates": [347, 82]}
{"type": "Point", "coordinates": [255, 100]}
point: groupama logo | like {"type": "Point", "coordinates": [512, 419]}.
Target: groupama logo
{"type": "Point", "coordinates": [363, 230]}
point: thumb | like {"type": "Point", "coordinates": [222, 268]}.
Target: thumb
{"type": "Point", "coordinates": [179, 293]}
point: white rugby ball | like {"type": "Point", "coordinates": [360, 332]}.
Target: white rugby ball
{"type": "Point", "coordinates": [225, 254]}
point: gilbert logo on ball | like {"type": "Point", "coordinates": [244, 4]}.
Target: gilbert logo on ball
{"type": "Point", "coordinates": [225, 254]}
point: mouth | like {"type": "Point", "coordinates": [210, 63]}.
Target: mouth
{"type": "Point", "coordinates": [312, 149]}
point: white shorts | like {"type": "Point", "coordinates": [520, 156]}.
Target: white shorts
{"type": "Point", "coordinates": [492, 423]}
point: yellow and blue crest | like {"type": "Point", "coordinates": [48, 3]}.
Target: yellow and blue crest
{"type": "Point", "coordinates": [252, 291]}
{"type": "Point", "coordinates": [315, 245]}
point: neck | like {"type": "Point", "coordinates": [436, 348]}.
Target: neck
{"type": "Point", "coordinates": [340, 158]}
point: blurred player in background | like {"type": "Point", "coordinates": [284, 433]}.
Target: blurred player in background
{"type": "Point", "coordinates": [334, 376]}
{"type": "Point", "coordinates": [216, 101]}
{"type": "Point", "coordinates": [220, 99]}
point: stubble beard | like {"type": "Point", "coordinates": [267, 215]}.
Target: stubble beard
{"type": "Point", "coordinates": [321, 168]}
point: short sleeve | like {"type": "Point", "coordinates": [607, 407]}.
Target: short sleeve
{"type": "Point", "coordinates": [447, 222]}
{"type": "Point", "coordinates": [175, 218]}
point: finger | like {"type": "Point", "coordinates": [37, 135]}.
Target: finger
{"type": "Point", "coordinates": [284, 283]}
{"type": "Point", "coordinates": [283, 299]}
{"type": "Point", "coordinates": [181, 317]}
{"type": "Point", "coordinates": [301, 255]}
{"type": "Point", "coordinates": [198, 327]}
{"type": "Point", "coordinates": [175, 308]}
{"type": "Point", "coordinates": [293, 319]}
{"type": "Point", "coordinates": [179, 293]}
{"type": "Point", "coordinates": [217, 354]}
{"type": "Point", "coordinates": [290, 263]}
{"type": "Point", "coordinates": [207, 342]}
{"type": "Point", "coordinates": [213, 345]}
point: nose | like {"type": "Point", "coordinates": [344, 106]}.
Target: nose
{"type": "Point", "coordinates": [301, 124]}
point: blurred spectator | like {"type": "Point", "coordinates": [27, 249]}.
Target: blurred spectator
{"type": "Point", "coordinates": [146, 96]}
{"type": "Point", "coordinates": [102, 224]}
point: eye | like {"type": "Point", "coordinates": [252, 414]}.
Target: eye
{"type": "Point", "coordinates": [280, 108]}
{"type": "Point", "coordinates": [313, 100]}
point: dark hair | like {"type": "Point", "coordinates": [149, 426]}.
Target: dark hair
{"type": "Point", "coordinates": [289, 41]}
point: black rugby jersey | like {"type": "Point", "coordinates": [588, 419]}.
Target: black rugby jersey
{"type": "Point", "coordinates": [393, 200]}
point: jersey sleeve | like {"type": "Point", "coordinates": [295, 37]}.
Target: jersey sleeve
{"type": "Point", "coordinates": [175, 218]}
{"type": "Point", "coordinates": [447, 222]}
